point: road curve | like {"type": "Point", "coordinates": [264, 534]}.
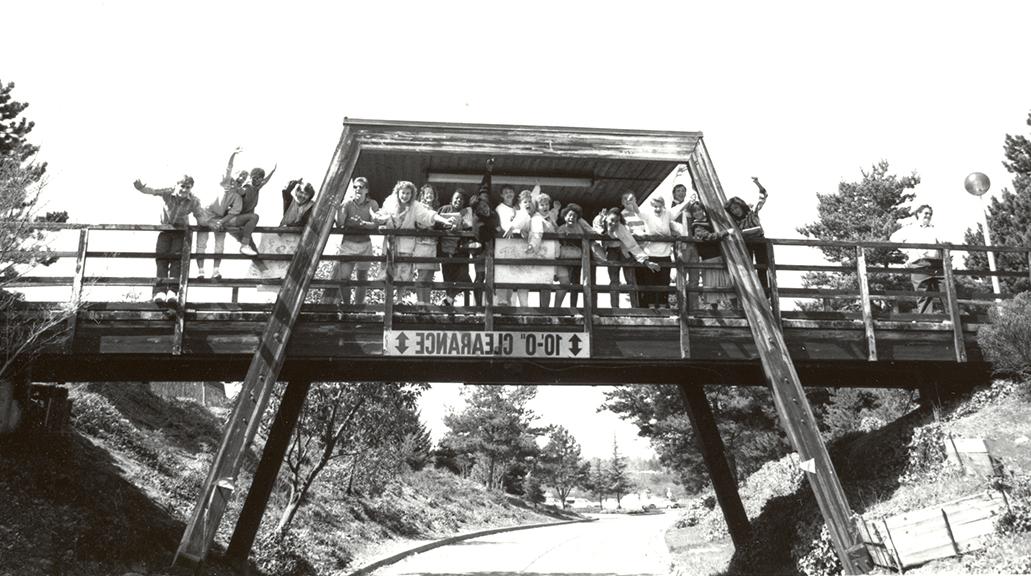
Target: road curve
{"type": "Point", "coordinates": [616, 544]}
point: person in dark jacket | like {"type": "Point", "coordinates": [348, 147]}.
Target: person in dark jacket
{"type": "Point", "coordinates": [747, 219]}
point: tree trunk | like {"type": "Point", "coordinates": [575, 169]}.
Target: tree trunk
{"type": "Point", "coordinates": [289, 512]}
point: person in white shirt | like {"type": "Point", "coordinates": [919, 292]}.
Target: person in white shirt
{"type": "Point", "coordinates": [927, 260]}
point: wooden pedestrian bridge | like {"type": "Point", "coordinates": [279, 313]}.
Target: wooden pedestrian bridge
{"type": "Point", "coordinates": [118, 334]}
{"type": "Point", "coordinates": [100, 325]}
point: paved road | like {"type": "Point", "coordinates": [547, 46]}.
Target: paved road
{"type": "Point", "coordinates": [613, 545]}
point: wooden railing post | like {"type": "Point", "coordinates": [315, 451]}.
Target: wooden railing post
{"type": "Point", "coordinates": [76, 297]}
{"type": "Point", "coordinates": [184, 284]}
{"type": "Point", "coordinates": [864, 296]}
{"type": "Point", "coordinates": [388, 282]}
{"type": "Point", "coordinates": [682, 303]}
{"type": "Point", "coordinates": [586, 280]}
{"type": "Point", "coordinates": [771, 274]}
{"type": "Point", "coordinates": [488, 287]}
{"type": "Point", "coordinates": [953, 305]}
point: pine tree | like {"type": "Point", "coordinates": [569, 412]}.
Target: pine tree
{"type": "Point", "coordinates": [870, 209]}
{"type": "Point", "coordinates": [1009, 217]}
{"type": "Point", "coordinates": [619, 482]}
{"type": "Point", "coordinates": [496, 428]}
{"type": "Point", "coordinates": [560, 464]}
{"type": "Point", "coordinates": [14, 133]}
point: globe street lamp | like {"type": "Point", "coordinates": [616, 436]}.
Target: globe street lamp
{"type": "Point", "coordinates": [977, 184]}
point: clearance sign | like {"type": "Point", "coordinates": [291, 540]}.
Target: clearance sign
{"type": "Point", "coordinates": [494, 344]}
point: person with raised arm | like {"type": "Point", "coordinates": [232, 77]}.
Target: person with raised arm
{"type": "Point", "coordinates": [747, 219]}
{"type": "Point", "coordinates": [401, 211]}
{"type": "Point", "coordinates": [573, 224]}
{"type": "Point", "coordinates": [178, 203]}
{"type": "Point", "coordinates": [615, 227]}
{"type": "Point", "coordinates": [249, 193]}
{"type": "Point", "coordinates": [631, 213]}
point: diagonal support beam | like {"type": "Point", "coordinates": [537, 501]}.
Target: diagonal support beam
{"type": "Point", "coordinates": [268, 470]}
{"type": "Point", "coordinates": [796, 416]}
{"type": "Point", "coordinates": [268, 358]}
{"type": "Point", "coordinates": [723, 482]}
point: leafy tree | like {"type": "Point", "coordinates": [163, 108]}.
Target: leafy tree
{"type": "Point", "coordinates": [1009, 217]}
{"type": "Point", "coordinates": [618, 480]}
{"type": "Point", "coordinates": [358, 431]}
{"type": "Point", "coordinates": [870, 209]}
{"type": "Point", "coordinates": [560, 464]}
{"type": "Point", "coordinates": [495, 428]}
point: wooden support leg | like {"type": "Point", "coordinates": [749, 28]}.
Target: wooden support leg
{"type": "Point", "coordinates": [268, 469]}
{"type": "Point", "coordinates": [704, 425]}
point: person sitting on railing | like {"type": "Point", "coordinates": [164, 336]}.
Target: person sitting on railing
{"type": "Point", "coordinates": [179, 203]}
{"type": "Point", "coordinates": [356, 213]}
{"type": "Point", "coordinates": [573, 224]}
{"type": "Point", "coordinates": [402, 212]}
{"type": "Point", "coordinates": [226, 215]}
{"type": "Point", "coordinates": [709, 252]}
{"type": "Point", "coordinates": [615, 227]}
{"type": "Point", "coordinates": [249, 193]}
{"type": "Point", "coordinates": [455, 247]}
{"type": "Point", "coordinates": [747, 219]}
{"type": "Point", "coordinates": [632, 216]}
{"type": "Point", "coordinates": [540, 224]}
{"type": "Point", "coordinates": [928, 261]}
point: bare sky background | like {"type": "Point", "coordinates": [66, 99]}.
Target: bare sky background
{"type": "Point", "coordinates": [802, 94]}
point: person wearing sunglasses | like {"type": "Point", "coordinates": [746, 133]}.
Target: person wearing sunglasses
{"type": "Point", "coordinates": [356, 215]}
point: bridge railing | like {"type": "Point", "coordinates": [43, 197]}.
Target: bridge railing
{"type": "Point", "coordinates": [92, 262]}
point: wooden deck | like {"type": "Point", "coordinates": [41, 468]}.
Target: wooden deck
{"type": "Point", "coordinates": [118, 341]}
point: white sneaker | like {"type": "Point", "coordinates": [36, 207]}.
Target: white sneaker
{"type": "Point", "coordinates": [248, 251]}
{"type": "Point", "coordinates": [171, 297]}
{"type": "Point", "coordinates": [159, 298]}
{"type": "Point", "coordinates": [200, 274]}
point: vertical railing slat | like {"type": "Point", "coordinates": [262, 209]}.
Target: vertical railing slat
{"type": "Point", "coordinates": [771, 273]}
{"type": "Point", "coordinates": [388, 283]}
{"type": "Point", "coordinates": [864, 296]}
{"type": "Point", "coordinates": [682, 303]}
{"type": "Point", "coordinates": [586, 279]}
{"type": "Point", "coordinates": [953, 306]}
{"type": "Point", "coordinates": [76, 298]}
{"type": "Point", "coordinates": [184, 281]}
{"type": "Point", "coordinates": [488, 288]}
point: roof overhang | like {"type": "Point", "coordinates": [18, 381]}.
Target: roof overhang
{"type": "Point", "coordinates": [589, 166]}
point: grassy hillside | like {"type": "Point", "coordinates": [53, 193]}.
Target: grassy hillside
{"type": "Point", "coordinates": [897, 468]}
{"type": "Point", "coordinates": [112, 496]}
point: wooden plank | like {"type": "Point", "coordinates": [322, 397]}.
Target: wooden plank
{"type": "Point", "coordinates": [488, 288]}
{"type": "Point", "coordinates": [184, 286]}
{"type": "Point", "coordinates": [267, 360]}
{"type": "Point", "coordinates": [771, 272]}
{"type": "Point", "coordinates": [795, 413]}
{"type": "Point", "coordinates": [541, 142]}
{"type": "Point", "coordinates": [944, 530]}
{"type": "Point", "coordinates": [586, 280]}
{"type": "Point", "coordinates": [864, 293]}
{"type": "Point", "coordinates": [682, 313]}
{"type": "Point", "coordinates": [950, 300]}
{"type": "Point", "coordinates": [881, 551]}
{"type": "Point", "coordinates": [76, 296]}
{"type": "Point", "coordinates": [389, 296]}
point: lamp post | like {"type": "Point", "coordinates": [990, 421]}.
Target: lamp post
{"type": "Point", "coordinates": [977, 184]}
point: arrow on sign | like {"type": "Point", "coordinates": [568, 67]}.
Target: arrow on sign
{"type": "Point", "coordinates": [574, 344]}
{"type": "Point", "coordinates": [808, 466]}
{"type": "Point", "coordinates": [402, 342]}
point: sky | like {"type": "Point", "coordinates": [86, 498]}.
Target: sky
{"type": "Point", "coordinates": [802, 94]}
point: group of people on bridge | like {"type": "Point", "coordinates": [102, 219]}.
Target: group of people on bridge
{"type": "Point", "coordinates": [636, 241]}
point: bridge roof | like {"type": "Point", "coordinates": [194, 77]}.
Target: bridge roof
{"type": "Point", "coordinates": [589, 166]}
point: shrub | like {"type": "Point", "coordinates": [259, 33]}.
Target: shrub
{"type": "Point", "coordinates": [1006, 341]}
{"type": "Point", "coordinates": [1016, 520]}
{"type": "Point", "coordinates": [820, 559]}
